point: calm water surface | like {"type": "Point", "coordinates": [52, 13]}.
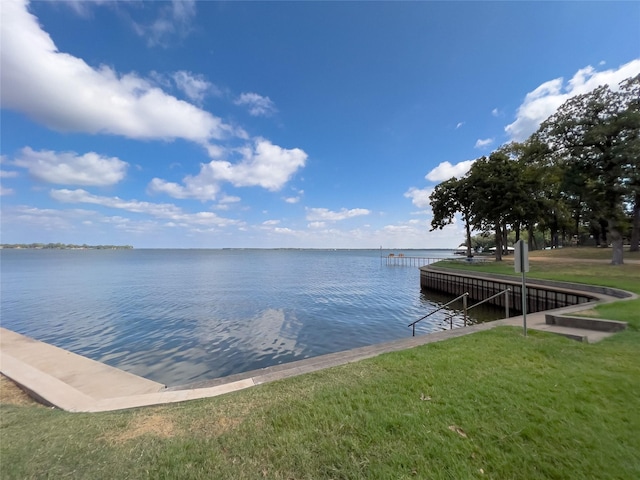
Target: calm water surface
{"type": "Point", "coordinates": [180, 316]}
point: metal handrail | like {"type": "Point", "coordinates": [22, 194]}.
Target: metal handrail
{"type": "Point", "coordinates": [465, 308]}
{"type": "Point", "coordinates": [413, 324]}
{"type": "Point", "coordinates": [506, 303]}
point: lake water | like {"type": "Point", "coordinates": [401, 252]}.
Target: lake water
{"type": "Point", "coordinates": [181, 316]}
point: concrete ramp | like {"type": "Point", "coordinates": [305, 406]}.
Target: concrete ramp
{"type": "Point", "coordinates": [62, 378]}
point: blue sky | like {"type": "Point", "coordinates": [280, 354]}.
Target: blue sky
{"type": "Point", "coordinates": [308, 124]}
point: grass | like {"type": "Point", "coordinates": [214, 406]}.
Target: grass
{"type": "Point", "coordinates": [626, 277]}
{"type": "Point", "coordinates": [489, 405]}
{"type": "Point", "coordinates": [583, 253]}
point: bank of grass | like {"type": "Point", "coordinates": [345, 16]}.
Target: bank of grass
{"type": "Point", "coordinates": [489, 405]}
{"type": "Point", "coordinates": [583, 253]}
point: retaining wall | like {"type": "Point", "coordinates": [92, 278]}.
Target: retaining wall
{"type": "Point", "coordinates": [540, 297]}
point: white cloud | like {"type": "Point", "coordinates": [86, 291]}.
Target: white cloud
{"type": "Point", "coordinates": [174, 19]}
{"type": "Point", "coordinates": [44, 219]}
{"type": "Point", "coordinates": [4, 191]}
{"type": "Point", "coordinates": [258, 105]}
{"type": "Point", "coordinates": [218, 151]}
{"type": "Point", "coordinates": [285, 231]}
{"type": "Point", "coordinates": [418, 235]}
{"type": "Point", "coordinates": [399, 229]}
{"type": "Point", "coordinates": [317, 225]}
{"type": "Point", "coordinates": [324, 214]}
{"type": "Point", "coordinates": [8, 174]}
{"type": "Point", "coordinates": [263, 165]}
{"type": "Point", "coordinates": [296, 198]}
{"type": "Point", "coordinates": [225, 202]}
{"type": "Point", "coordinates": [66, 94]}
{"type": "Point", "coordinates": [544, 100]}
{"type": "Point", "coordinates": [419, 197]}
{"type": "Point", "coordinates": [460, 124]}
{"type": "Point", "coordinates": [271, 222]}
{"type": "Point", "coordinates": [82, 196]}
{"type": "Point", "coordinates": [165, 211]}
{"type": "Point", "coordinates": [226, 199]}
{"type": "Point", "coordinates": [495, 112]}
{"type": "Point", "coordinates": [195, 87]}
{"type": "Point", "coordinates": [69, 168]}
{"type": "Point", "coordinates": [70, 224]}
{"type": "Point", "coordinates": [482, 143]}
{"type": "Point", "coordinates": [203, 218]}
{"type": "Point", "coordinates": [197, 187]}
{"type": "Point", "coordinates": [446, 170]}
{"type": "Point", "coordinates": [83, 7]}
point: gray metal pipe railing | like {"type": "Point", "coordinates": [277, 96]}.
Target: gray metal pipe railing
{"type": "Point", "coordinates": [506, 301]}
{"type": "Point", "coordinates": [463, 296]}
{"type": "Point", "coordinates": [466, 309]}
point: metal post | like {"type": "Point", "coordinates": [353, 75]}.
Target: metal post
{"type": "Point", "coordinates": [464, 309]}
{"type": "Point", "coordinates": [524, 303]}
{"type": "Point", "coordinates": [521, 265]}
{"type": "Point", "coordinates": [506, 303]}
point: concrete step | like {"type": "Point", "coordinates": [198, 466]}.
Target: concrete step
{"type": "Point", "coordinates": [578, 334]}
{"type": "Point", "coordinates": [586, 323]}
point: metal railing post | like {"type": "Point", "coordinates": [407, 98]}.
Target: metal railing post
{"type": "Point", "coordinates": [506, 303]}
{"type": "Point", "coordinates": [464, 307]}
{"type": "Point", "coordinates": [413, 324]}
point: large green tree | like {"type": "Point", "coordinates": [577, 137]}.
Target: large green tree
{"type": "Point", "coordinates": [449, 198]}
{"type": "Point", "coordinates": [527, 177]}
{"type": "Point", "coordinates": [491, 193]}
{"type": "Point", "coordinates": [593, 138]}
{"type": "Point", "coordinates": [582, 167]}
{"type": "Point", "coordinates": [629, 107]}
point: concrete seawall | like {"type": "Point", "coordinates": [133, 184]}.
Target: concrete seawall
{"type": "Point", "coordinates": [541, 295]}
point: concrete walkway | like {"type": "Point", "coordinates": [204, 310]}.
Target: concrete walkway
{"type": "Point", "coordinates": [77, 384]}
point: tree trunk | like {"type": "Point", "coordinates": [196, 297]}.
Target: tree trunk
{"type": "Point", "coordinates": [532, 240]}
{"type": "Point", "coordinates": [554, 232]}
{"type": "Point", "coordinates": [635, 229]}
{"type": "Point", "coordinates": [469, 254]}
{"type": "Point", "coordinates": [505, 232]}
{"type": "Point", "coordinates": [498, 242]}
{"type": "Point", "coordinates": [616, 243]}
{"type": "Point", "coordinates": [603, 234]}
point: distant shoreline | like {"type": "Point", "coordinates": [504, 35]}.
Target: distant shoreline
{"type": "Point", "coordinates": [62, 246]}
{"type": "Point", "coordinates": [57, 246]}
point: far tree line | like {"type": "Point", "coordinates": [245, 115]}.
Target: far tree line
{"type": "Point", "coordinates": [64, 246]}
{"type": "Point", "coordinates": [578, 173]}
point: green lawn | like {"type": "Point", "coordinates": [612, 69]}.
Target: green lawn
{"type": "Point", "coordinates": [489, 405]}
{"type": "Point", "coordinates": [582, 253]}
